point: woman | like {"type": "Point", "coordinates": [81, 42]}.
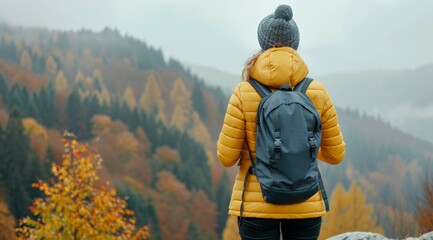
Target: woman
{"type": "Point", "coordinates": [278, 63]}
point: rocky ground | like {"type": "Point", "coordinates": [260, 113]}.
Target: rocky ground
{"type": "Point", "coordinates": [375, 236]}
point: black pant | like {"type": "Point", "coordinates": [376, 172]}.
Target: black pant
{"type": "Point", "coordinates": [269, 229]}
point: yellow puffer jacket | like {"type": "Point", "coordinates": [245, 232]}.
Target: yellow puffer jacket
{"type": "Point", "coordinates": [273, 68]}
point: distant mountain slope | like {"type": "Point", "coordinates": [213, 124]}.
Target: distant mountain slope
{"type": "Point", "coordinates": [402, 97]}
{"type": "Point", "coordinates": [215, 77]}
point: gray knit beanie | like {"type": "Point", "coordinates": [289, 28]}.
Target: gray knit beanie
{"type": "Point", "coordinates": [278, 29]}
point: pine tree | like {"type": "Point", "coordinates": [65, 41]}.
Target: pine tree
{"type": "Point", "coordinates": [143, 209]}
{"type": "Point", "coordinates": [3, 89]}
{"type": "Point", "coordinates": [14, 164]}
{"type": "Point", "coordinates": [222, 196]}
{"type": "Point", "coordinates": [44, 103]}
{"type": "Point", "coordinates": [197, 99]}
{"type": "Point", "coordinates": [75, 112]}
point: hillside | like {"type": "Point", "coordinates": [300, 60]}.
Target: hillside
{"type": "Point", "coordinates": [155, 124]}
{"type": "Point", "coordinates": [150, 118]}
{"type": "Point", "coordinates": [215, 77]}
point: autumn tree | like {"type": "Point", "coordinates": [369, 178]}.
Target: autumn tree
{"type": "Point", "coordinates": [349, 212]}
{"type": "Point", "coordinates": [60, 82]}
{"type": "Point", "coordinates": [74, 206]}
{"type": "Point", "coordinates": [179, 118]}
{"type": "Point", "coordinates": [199, 131]}
{"type": "Point", "coordinates": [170, 206]}
{"type": "Point", "coordinates": [231, 230]}
{"type": "Point", "coordinates": [129, 98]}
{"type": "Point", "coordinates": [424, 204]}
{"type": "Point", "coordinates": [38, 135]}
{"type": "Point", "coordinates": [7, 220]}
{"type": "Point", "coordinates": [25, 61]}
{"type": "Point", "coordinates": [181, 95]}
{"type": "Point", "coordinates": [51, 66]}
{"type": "Point", "coordinates": [151, 97]}
{"type": "Point", "coordinates": [204, 213]}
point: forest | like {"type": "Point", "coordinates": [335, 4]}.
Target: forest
{"type": "Point", "coordinates": [155, 124]}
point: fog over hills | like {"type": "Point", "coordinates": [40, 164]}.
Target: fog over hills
{"type": "Point", "coordinates": [400, 97]}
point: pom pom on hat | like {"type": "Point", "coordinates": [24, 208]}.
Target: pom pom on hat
{"type": "Point", "coordinates": [278, 29]}
{"type": "Point", "coordinates": [283, 12]}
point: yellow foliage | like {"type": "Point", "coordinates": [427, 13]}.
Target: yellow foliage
{"type": "Point", "coordinates": [100, 124]}
{"type": "Point", "coordinates": [180, 94]}
{"type": "Point", "coordinates": [129, 98]}
{"type": "Point", "coordinates": [60, 83]}
{"type": "Point", "coordinates": [127, 146]}
{"type": "Point", "coordinates": [33, 128]}
{"type": "Point", "coordinates": [151, 96]}
{"type": "Point", "coordinates": [349, 212]}
{"type": "Point", "coordinates": [51, 66]}
{"type": "Point", "coordinates": [25, 61]}
{"type": "Point", "coordinates": [74, 208]}
{"type": "Point", "coordinates": [36, 51]}
{"type": "Point", "coordinates": [179, 118]}
{"type": "Point", "coordinates": [7, 221]}
{"type": "Point", "coordinates": [199, 131]}
{"type": "Point", "coordinates": [231, 231]}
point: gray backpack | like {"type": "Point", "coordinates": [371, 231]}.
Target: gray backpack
{"type": "Point", "coordinates": [288, 136]}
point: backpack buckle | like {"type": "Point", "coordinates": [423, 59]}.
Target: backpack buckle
{"type": "Point", "coordinates": [277, 144]}
{"type": "Point", "coordinates": [313, 144]}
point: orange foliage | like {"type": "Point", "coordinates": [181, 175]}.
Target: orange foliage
{"type": "Point", "coordinates": [100, 124]}
{"type": "Point", "coordinates": [38, 135]}
{"type": "Point", "coordinates": [167, 154]}
{"type": "Point", "coordinates": [170, 206]}
{"type": "Point", "coordinates": [203, 212]}
{"type": "Point", "coordinates": [4, 117]}
{"type": "Point", "coordinates": [13, 74]}
{"type": "Point", "coordinates": [120, 146]}
{"type": "Point", "coordinates": [145, 144]}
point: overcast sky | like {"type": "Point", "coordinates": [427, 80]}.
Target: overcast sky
{"type": "Point", "coordinates": [336, 35]}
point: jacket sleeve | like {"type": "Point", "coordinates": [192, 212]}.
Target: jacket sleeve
{"type": "Point", "coordinates": [333, 147]}
{"type": "Point", "coordinates": [231, 138]}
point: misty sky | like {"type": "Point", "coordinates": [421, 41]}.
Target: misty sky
{"type": "Point", "coordinates": [336, 35]}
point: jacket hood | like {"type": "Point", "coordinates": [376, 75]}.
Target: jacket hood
{"type": "Point", "coordinates": [278, 66]}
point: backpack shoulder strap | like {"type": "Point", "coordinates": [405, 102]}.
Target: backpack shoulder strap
{"type": "Point", "coordinates": [259, 87]}
{"type": "Point", "coordinates": [303, 85]}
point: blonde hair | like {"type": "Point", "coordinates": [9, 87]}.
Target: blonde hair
{"type": "Point", "coordinates": [246, 73]}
